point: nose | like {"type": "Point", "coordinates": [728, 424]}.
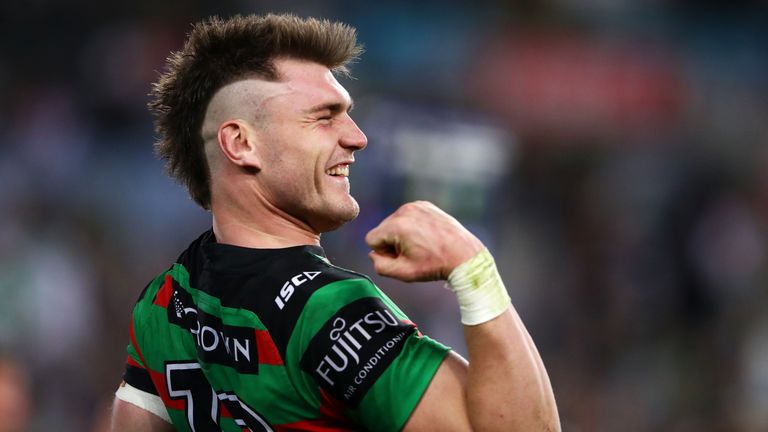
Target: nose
{"type": "Point", "coordinates": [353, 137]}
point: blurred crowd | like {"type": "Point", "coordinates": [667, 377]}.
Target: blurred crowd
{"type": "Point", "coordinates": [613, 155]}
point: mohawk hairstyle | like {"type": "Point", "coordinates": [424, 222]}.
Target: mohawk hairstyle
{"type": "Point", "coordinates": [218, 52]}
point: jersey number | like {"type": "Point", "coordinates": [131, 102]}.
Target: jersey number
{"type": "Point", "coordinates": [187, 381]}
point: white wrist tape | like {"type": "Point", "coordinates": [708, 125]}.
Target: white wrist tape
{"type": "Point", "coordinates": [479, 289]}
{"type": "Point", "coordinates": [143, 400]}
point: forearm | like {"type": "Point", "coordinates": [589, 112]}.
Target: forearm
{"type": "Point", "coordinates": [507, 387]}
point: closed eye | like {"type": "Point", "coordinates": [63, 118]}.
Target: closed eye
{"type": "Point", "coordinates": [329, 110]}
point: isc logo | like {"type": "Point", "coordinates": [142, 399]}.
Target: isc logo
{"type": "Point", "coordinates": [290, 285]}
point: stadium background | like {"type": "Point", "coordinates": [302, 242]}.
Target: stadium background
{"type": "Point", "coordinates": [612, 154]}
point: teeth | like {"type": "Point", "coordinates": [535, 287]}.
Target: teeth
{"type": "Point", "coordinates": [339, 170]}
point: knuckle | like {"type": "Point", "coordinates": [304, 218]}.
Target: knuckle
{"type": "Point", "coordinates": [420, 206]}
{"type": "Point", "coordinates": [411, 208]}
{"type": "Point", "coordinates": [405, 208]}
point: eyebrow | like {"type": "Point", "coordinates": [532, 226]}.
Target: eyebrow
{"type": "Point", "coordinates": [333, 107]}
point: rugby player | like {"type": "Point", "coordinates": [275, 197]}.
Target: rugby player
{"type": "Point", "coordinates": [253, 328]}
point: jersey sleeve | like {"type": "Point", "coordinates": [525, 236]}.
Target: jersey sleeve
{"type": "Point", "coordinates": [137, 387]}
{"type": "Point", "coordinates": [363, 352]}
{"type": "Point", "coordinates": [137, 372]}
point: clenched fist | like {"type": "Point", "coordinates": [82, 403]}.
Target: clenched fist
{"type": "Point", "coordinates": [420, 242]}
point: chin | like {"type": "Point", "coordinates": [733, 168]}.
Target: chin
{"type": "Point", "coordinates": [337, 217]}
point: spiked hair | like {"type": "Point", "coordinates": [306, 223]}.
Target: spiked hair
{"type": "Point", "coordinates": [218, 52]}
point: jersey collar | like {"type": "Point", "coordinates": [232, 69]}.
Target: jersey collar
{"type": "Point", "coordinates": [221, 257]}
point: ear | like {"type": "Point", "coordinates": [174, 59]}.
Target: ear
{"type": "Point", "coordinates": [238, 143]}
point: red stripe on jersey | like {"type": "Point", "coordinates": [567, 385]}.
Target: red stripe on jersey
{"type": "Point", "coordinates": [268, 353]}
{"type": "Point", "coordinates": [224, 411]}
{"type": "Point", "coordinates": [332, 408]}
{"type": "Point", "coordinates": [136, 345]}
{"type": "Point", "coordinates": [333, 419]}
{"type": "Point", "coordinates": [163, 296]}
{"type": "Point", "coordinates": [413, 324]}
{"type": "Point", "coordinates": [132, 362]}
{"type": "Point", "coordinates": [314, 426]}
{"type": "Point", "coordinates": [159, 380]}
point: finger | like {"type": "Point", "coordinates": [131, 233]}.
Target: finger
{"type": "Point", "coordinates": [397, 267]}
{"type": "Point", "coordinates": [380, 238]}
{"type": "Point", "coordinates": [382, 262]}
{"type": "Point", "coordinates": [385, 264]}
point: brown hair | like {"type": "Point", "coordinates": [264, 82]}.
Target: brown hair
{"type": "Point", "coordinates": [218, 52]}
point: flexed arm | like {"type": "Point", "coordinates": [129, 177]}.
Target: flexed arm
{"type": "Point", "coordinates": [505, 386]}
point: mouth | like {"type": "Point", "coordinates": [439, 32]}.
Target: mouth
{"type": "Point", "coordinates": [340, 170]}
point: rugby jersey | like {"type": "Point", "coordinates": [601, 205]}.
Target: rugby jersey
{"type": "Point", "coordinates": [239, 339]}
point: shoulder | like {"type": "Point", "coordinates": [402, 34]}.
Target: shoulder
{"type": "Point", "coordinates": [284, 284]}
{"type": "Point", "coordinates": [286, 288]}
{"type": "Point", "coordinates": [183, 269]}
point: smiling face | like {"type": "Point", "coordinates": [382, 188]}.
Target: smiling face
{"type": "Point", "coordinates": [306, 141]}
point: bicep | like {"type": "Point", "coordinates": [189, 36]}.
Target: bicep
{"type": "Point", "coordinates": [443, 405]}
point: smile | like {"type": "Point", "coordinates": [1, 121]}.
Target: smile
{"type": "Point", "coordinates": [339, 170]}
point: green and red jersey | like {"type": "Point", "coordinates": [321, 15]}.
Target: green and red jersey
{"type": "Point", "coordinates": [239, 339]}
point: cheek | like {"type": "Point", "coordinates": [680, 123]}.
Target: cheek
{"type": "Point", "coordinates": [299, 161]}
{"type": "Point", "coordinates": [298, 176]}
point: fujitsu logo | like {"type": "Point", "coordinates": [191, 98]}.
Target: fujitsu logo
{"type": "Point", "coordinates": [349, 340]}
{"type": "Point", "coordinates": [290, 286]}
{"type": "Point", "coordinates": [354, 347]}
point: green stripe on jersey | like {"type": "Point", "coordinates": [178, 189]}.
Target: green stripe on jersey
{"type": "Point", "coordinates": [407, 377]}
{"type": "Point", "coordinates": [174, 342]}
{"type": "Point", "coordinates": [416, 365]}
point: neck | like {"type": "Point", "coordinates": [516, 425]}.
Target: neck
{"type": "Point", "coordinates": [259, 226]}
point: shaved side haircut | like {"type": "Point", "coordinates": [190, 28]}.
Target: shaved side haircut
{"type": "Point", "coordinates": [218, 52]}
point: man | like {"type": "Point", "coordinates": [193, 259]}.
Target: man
{"type": "Point", "coordinates": [253, 328]}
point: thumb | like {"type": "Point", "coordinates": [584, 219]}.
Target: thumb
{"type": "Point", "coordinates": [383, 242]}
